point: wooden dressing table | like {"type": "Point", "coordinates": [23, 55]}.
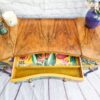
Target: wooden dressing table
{"type": "Point", "coordinates": [66, 36]}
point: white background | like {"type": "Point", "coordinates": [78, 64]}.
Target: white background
{"type": "Point", "coordinates": [45, 8]}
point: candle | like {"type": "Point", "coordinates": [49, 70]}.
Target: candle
{"type": "Point", "coordinates": [10, 18]}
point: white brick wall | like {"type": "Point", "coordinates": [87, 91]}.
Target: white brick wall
{"type": "Point", "coordinates": [45, 8]}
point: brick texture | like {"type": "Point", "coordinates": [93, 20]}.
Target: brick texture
{"type": "Point", "coordinates": [45, 8]}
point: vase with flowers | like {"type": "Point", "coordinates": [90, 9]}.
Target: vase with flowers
{"type": "Point", "coordinates": [92, 19]}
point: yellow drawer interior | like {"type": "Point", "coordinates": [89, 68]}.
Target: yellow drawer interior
{"type": "Point", "coordinates": [23, 69]}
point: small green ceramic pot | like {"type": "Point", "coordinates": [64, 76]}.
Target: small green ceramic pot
{"type": "Point", "coordinates": [3, 30]}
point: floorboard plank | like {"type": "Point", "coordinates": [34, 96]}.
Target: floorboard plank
{"type": "Point", "coordinates": [3, 81]}
{"type": "Point", "coordinates": [40, 89]}
{"type": "Point", "coordinates": [20, 96]}
{"type": "Point", "coordinates": [94, 82]}
{"type": "Point", "coordinates": [72, 90]}
{"type": "Point", "coordinates": [10, 91]}
{"type": "Point", "coordinates": [97, 73]}
{"type": "Point", "coordinates": [57, 91]}
{"type": "Point", "coordinates": [88, 91]}
{"type": "Point", "coordinates": [27, 92]}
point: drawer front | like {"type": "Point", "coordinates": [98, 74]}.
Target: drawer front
{"type": "Point", "coordinates": [64, 67]}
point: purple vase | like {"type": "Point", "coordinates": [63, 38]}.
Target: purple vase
{"type": "Point", "coordinates": [90, 20]}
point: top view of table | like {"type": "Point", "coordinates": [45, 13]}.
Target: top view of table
{"type": "Point", "coordinates": [68, 36]}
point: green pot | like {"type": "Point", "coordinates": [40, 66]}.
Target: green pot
{"type": "Point", "coordinates": [3, 30]}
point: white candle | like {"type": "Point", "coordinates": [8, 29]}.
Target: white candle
{"type": "Point", "coordinates": [10, 18]}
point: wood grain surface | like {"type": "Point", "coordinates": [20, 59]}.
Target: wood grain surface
{"type": "Point", "coordinates": [7, 42]}
{"type": "Point", "coordinates": [31, 38]}
{"type": "Point", "coordinates": [69, 36]}
{"type": "Point", "coordinates": [89, 40]}
{"type": "Point", "coordinates": [47, 35]}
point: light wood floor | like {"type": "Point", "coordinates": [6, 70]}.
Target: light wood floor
{"type": "Point", "coordinates": [51, 89]}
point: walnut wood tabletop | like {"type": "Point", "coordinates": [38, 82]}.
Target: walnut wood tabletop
{"type": "Point", "coordinates": [69, 36]}
{"type": "Point", "coordinates": [7, 43]}
{"type": "Point", "coordinates": [47, 35]}
{"type": "Point", "coordinates": [89, 40]}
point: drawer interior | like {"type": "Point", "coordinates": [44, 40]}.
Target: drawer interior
{"type": "Point", "coordinates": [46, 65]}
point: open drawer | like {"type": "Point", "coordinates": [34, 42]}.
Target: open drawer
{"type": "Point", "coordinates": [46, 65]}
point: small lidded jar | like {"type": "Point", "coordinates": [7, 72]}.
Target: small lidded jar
{"type": "Point", "coordinates": [3, 29]}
